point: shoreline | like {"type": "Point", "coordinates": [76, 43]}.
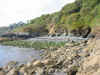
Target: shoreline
{"type": "Point", "coordinates": [54, 61]}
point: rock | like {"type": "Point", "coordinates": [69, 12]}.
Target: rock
{"type": "Point", "coordinates": [37, 63]}
{"type": "Point", "coordinates": [29, 64]}
{"type": "Point", "coordinates": [60, 73]}
{"type": "Point", "coordinates": [91, 64]}
{"type": "Point", "coordinates": [12, 64]}
{"type": "Point", "coordinates": [21, 65]}
{"type": "Point", "coordinates": [22, 70]}
{"type": "Point", "coordinates": [91, 41]}
{"type": "Point", "coordinates": [91, 36]}
{"type": "Point", "coordinates": [84, 32]}
{"type": "Point", "coordinates": [97, 73]}
{"type": "Point", "coordinates": [7, 68]}
{"type": "Point", "coordinates": [69, 44]}
{"type": "Point", "coordinates": [2, 73]}
{"type": "Point", "coordinates": [25, 73]}
{"type": "Point", "coordinates": [13, 72]}
{"type": "Point", "coordinates": [39, 71]}
{"type": "Point", "coordinates": [47, 62]}
{"type": "Point", "coordinates": [16, 36]}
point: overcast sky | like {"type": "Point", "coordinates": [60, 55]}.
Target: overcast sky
{"type": "Point", "coordinates": [21, 10]}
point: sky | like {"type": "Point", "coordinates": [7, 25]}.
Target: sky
{"type": "Point", "coordinates": [12, 11]}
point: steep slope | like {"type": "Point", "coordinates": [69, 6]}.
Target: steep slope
{"type": "Point", "coordinates": [76, 18]}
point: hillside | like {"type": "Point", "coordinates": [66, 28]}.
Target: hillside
{"type": "Point", "coordinates": [76, 18]}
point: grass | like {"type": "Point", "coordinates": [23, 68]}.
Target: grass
{"type": "Point", "coordinates": [37, 45]}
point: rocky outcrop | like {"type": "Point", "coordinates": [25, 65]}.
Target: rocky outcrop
{"type": "Point", "coordinates": [96, 31]}
{"type": "Point", "coordinates": [83, 32]}
{"type": "Point", "coordinates": [91, 65]}
{"type": "Point", "coordinates": [15, 36]}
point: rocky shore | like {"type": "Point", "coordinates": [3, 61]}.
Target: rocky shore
{"type": "Point", "coordinates": [76, 58]}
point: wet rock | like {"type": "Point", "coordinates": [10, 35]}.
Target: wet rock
{"type": "Point", "coordinates": [29, 64]}
{"type": "Point", "coordinates": [48, 62]}
{"type": "Point", "coordinates": [7, 68]}
{"type": "Point", "coordinates": [84, 32]}
{"type": "Point", "coordinates": [2, 73]}
{"type": "Point", "coordinates": [69, 44]}
{"type": "Point", "coordinates": [20, 65]}
{"type": "Point", "coordinates": [39, 71]}
{"type": "Point", "coordinates": [22, 70]}
{"type": "Point", "coordinates": [25, 73]}
{"type": "Point", "coordinates": [12, 64]}
{"type": "Point", "coordinates": [13, 72]}
{"type": "Point", "coordinates": [60, 73]}
{"type": "Point", "coordinates": [37, 63]}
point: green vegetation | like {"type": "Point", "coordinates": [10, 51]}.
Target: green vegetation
{"type": "Point", "coordinates": [37, 45]}
{"type": "Point", "coordinates": [78, 15]}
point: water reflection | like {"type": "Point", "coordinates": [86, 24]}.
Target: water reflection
{"type": "Point", "coordinates": [23, 55]}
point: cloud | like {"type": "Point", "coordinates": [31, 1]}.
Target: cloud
{"type": "Point", "coordinates": [21, 10]}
